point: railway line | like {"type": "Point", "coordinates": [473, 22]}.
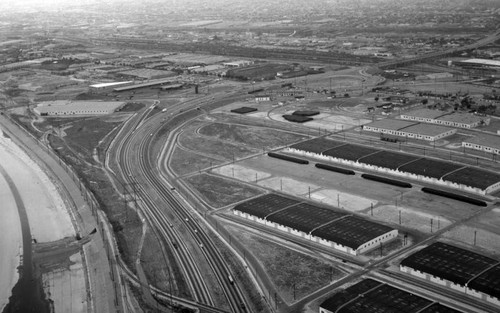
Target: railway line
{"type": "Point", "coordinates": [163, 208]}
{"type": "Point", "coordinates": [127, 157]}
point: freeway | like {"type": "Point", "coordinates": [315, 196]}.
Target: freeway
{"type": "Point", "coordinates": [161, 206]}
{"type": "Point", "coordinates": [403, 62]}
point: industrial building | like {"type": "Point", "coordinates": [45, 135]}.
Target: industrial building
{"type": "Point", "coordinates": [449, 118]}
{"type": "Point", "coordinates": [435, 76]}
{"type": "Point", "coordinates": [239, 63]}
{"type": "Point", "coordinates": [146, 74]}
{"type": "Point", "coordinates": [483, 142]}
{"type": "Point", "coordinates": [105, 87]}
{"type": "Point", "coordinates": [68, 107]}
{"type": "Point", "coordinates": [480, 63]}
{"type": "Point", "coordinates": [370, 295]}
{"type": "Point", "coordinates": [171, 87]}
{"type": "Point", "coordinates": [407, 129]}
{"type": "Point", "coordinates": [214, 69]}
{"type": "Point", "coordinates": [338, 230]}
{"type": "Point", "coordinates": [152, 83]}
{"type": "Point", "coordinates": [262, 98]}
{"type": "Point", "coordinates": [428, 170]}
{"type": "Point", "coordinates": [458, 269]}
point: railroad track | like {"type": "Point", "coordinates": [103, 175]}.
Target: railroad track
{"type": "Point", "coordinates": [161, 225]}
{"type": "Point", "coordinates": [162, 206]}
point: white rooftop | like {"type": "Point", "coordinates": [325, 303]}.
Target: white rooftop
{"type": "Point", "coordinates": [483, 62]}
{"type": "Point", "coordinates": [103, 85]}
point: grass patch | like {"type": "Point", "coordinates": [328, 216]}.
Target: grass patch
{"type": "Point", "coordinates": [159, 271]}
{"type": "Point", "coordinates": [125, 222]}
{"type": "Point", "coordinates": [262, 122]}
{"type": "Point", "coordinates": [256, 137]}
{"type": "Point", "coordinates": [184, 162]}
{"type": "Point", "coordinates": [215, 148]}
{"type": "Point", "coordinates": [82, 136]}
{"type": "Point", "coordinates": [287, 267]}
{"type": "Point", "coordinates": [132, 107]}
{"type": "Point", "coordinates": [219, 192]}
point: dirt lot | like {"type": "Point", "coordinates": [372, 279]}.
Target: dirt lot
{"type": "Point", "coordinates": [288, 268]}
{"type": "Point", "coordinates": [484, 229]}
{"type": "Point", "coordinates": [352, 193]}
{"type": "Point", "coordinates": [219, 192]}
{"type": "Point", "coordinates": [206, 144]}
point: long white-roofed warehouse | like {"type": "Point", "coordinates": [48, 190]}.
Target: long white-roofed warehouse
{"type": "Point", "coordinates": [68, 107]}
{"type": "Point", "coordinates": [105, 87]}
{"type": "Point", "coordinates": [483, 142]}
{"type": "Point", "coordinates": [409, 129]}
{"type": "Point", "coordinates": [446, 118]}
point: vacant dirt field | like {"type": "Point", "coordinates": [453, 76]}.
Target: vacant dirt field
{"type": "Point", "coordinates": [485, 228]}
{"type": "Point", "coordinates": [351, 193]}
{"type": "Point", "coordinates": [185, 162]}
{"type": "Point", "coordinates": [219, 192]}
{"type": "Point", "coordinates": [288, 268]}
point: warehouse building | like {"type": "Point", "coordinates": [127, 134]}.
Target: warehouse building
{"type": "Point", "coordinates": [452, 119]}
{"type": "Point", "coordinates": [68, 107]}
{"type": "Point", "coordinates": [214, 69]}
{"type": "Point", "coordinates": [435, 76]}
{"type": "Point", "coordinates": [239, 63]}
{"type": "Point", "coordinates": [463, 120]}
{"type": "Point", "coordinates": [152, 83]}
{"type": "Point", "coordinates": [105, 87]}
{"type": "Point", "coordinates": [171, 87]}
{"type": "Point", "coordinates": [338, 230]}
{"type": "Point", "coordinates": [480, 63]}
{"type": "Point", "coordinates": [407, 129]}
{"type": "Point", "coordinates": [458, 269]}
{"type": "Point", "coordinates": [483, 142]}
{"type": "Point", "coordinates": [262, 98]}
{"type": "Point", "coordinates": [146, 74]}
{"type": "Point", "coordinates": [428, 170]}
{"type": "Point", "coordinates": [370, 295]}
